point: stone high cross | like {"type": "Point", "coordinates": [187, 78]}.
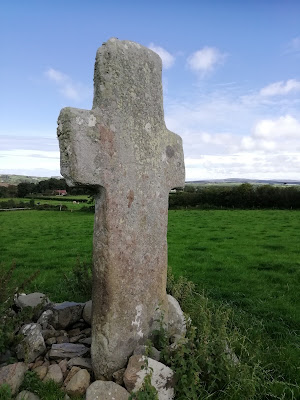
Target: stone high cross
{"type": "Point", "coordinates": [123, 148]}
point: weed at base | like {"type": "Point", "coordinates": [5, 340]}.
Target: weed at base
{"type": "Point", "coordinates": [77, 283]}
{"type": "Point", "coordinates": [5, 392]}
{"type": "Point", "coordinates": [49, 390]}
{"type": "Point", "coordinates": [9, 320]}
{"type": "Point", "coordinates": [215, 360]}
{"type": "Point", "coordinates": [147, 391]}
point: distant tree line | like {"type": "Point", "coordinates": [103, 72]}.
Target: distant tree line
{"type": "Point", "coordinates": [8, 191]}
{"type": "Point", "coordinates": [45, 187]}
{"type": "Point", "coordinates": [244, 196]}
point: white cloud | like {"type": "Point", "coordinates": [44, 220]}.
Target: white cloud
{"type": "Point", "coordinates": [244, 165]}
{"type": "Point", "coordinates": [283, 127]}
{"type": "Point", "coordinates": [205, 60]}
{"type": "Point", "coordinates": [167, 58]}
{"type": "Point", "coordinates": [72, 90]}
{"type": "Point", "coordinates": [56, 76]}
{"type": "Point", "coordinates": [29, 140]}
{"type": "Point", "coordinates": [294, 45]}
{"type": "Point", "coordinates": [281, 88]}
{"type": "Point", "coordinates": [29, 155]}
{"type": "Point", "coordinates": [277, 135]}
{"type": "Point", "coordinates": [227, 134]}
{"type": "Point", "coordinates": [209, 124]}
{"type": "Point", "coordinates": [30, 162]}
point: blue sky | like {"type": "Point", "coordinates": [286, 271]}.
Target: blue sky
{"type": "Point", "coordinates": [231, 78]}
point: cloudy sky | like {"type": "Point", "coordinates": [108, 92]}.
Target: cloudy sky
{"type": "Point", "coordinates": [231, 78]}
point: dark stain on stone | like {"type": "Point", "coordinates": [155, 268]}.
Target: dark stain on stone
{"type": "Point", "coordinates": [130, 198]}
{"type": "Point", "coordinates": [107, 138]}
{"type": "Point", "coordinates": [170, 382]}
{"type": "Point", "coordinates": [170, 151]}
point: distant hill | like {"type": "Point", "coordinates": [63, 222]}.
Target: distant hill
{"type": "Point", "coordinates": [16, 179]}
{"type": "Point", "coordinates": [239, 181]}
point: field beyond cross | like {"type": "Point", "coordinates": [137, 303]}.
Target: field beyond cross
{"type": "Point", "coordinates": [123, 147]}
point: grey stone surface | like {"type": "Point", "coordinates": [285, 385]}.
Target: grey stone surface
{"type": "Point", "coordinates": [46, 363]}
{"type": "Point", "coordinates": [67, 350]}
{"type": "Point", "coordinates": [49, 333]}
{"type": "Point", "coordinates": [54, 373]}
{"type": "Point", "coordinates": [102, 390]}
{"type": "Point", "coordinates": [62, 339]}
{"type": "Point", "coordinates": [45, 317]}
{"type": "Point", "coordinates": [33, 343]}
{"type": "Point", "coordinates": [76, 339]}
{"type": "Point", "coordinates": [13, 375]}
{"type": "Point", "coordinates": [118, 376]}
{"type": "Point", "coordinates": [70, 375]}
{"type": "Point", "coordinates": [80, 362]}
{"type": "Point", "coordinates": [162, 376]}
{"type": "Point", "coordinates": [74, 332]}
{"type": "Point", "coordinates": [38, 362]}
{"type": "Point", "coordinates": [80, 324]}
{"type": "Point", "coordinates": [31, 300]}
{"type": "Point", "coordinates": [176, 320]}
{"type": "Point", "coordinates": [63, 364]}
{"type": "Point", "coordinates": [66, 314]}
{"type": "Point", "coordinates": [144, 351]}
{"type": "Point", "coordinates": [87, 332]}
{"type": "Point", "coordinates": [50, 341]}
{"type": "Point", "coordinates": [41, 371]}
{"type": "Point", "coordinates": [87, 312]}
{"type": "Point", "coordinates": [26, 395]}
{"type": "Point", "coordinates": [86, 341]}
{"type": "Point", "coordinates": [123, 148]}
{"type": "Point", "coordinates": [78, 383]}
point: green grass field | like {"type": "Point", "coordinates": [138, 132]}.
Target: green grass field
{"type": "Point", "coordinates": [48, 241]}
{"type": "Point", "coordinates": [248, 259]}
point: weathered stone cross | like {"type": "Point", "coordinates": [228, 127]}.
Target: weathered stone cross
{"type": "Point", "coordinates": [123, 147]}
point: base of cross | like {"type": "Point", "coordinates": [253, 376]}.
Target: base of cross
{"type": "Point", "coordinates": [170, 323]}
{"type": "Point", "coordinates": [55, 344]}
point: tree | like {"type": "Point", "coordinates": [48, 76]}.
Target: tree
{"type": "Point", "coordinates": [25, 188]}
{"type": "Point", "coordinates": [3, 191]}
{"type": "Point", "coordinates": [12, 190]}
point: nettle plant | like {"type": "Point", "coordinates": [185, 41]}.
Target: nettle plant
{"type": "Point", "coordinates": [10, 321]}
{"type": "Point", "coordinates": [147, 391]}
{"type": "Point", "coordinates": [204, 361]}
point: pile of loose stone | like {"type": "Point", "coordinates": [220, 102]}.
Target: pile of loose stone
{"type": "Point", "coordinates": [57, 347]}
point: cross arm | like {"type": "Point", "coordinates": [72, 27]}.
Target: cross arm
{"type": "Point", "coordinates": [173, 156]}
{"type": "Point", "coordinates": [78, 137]}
